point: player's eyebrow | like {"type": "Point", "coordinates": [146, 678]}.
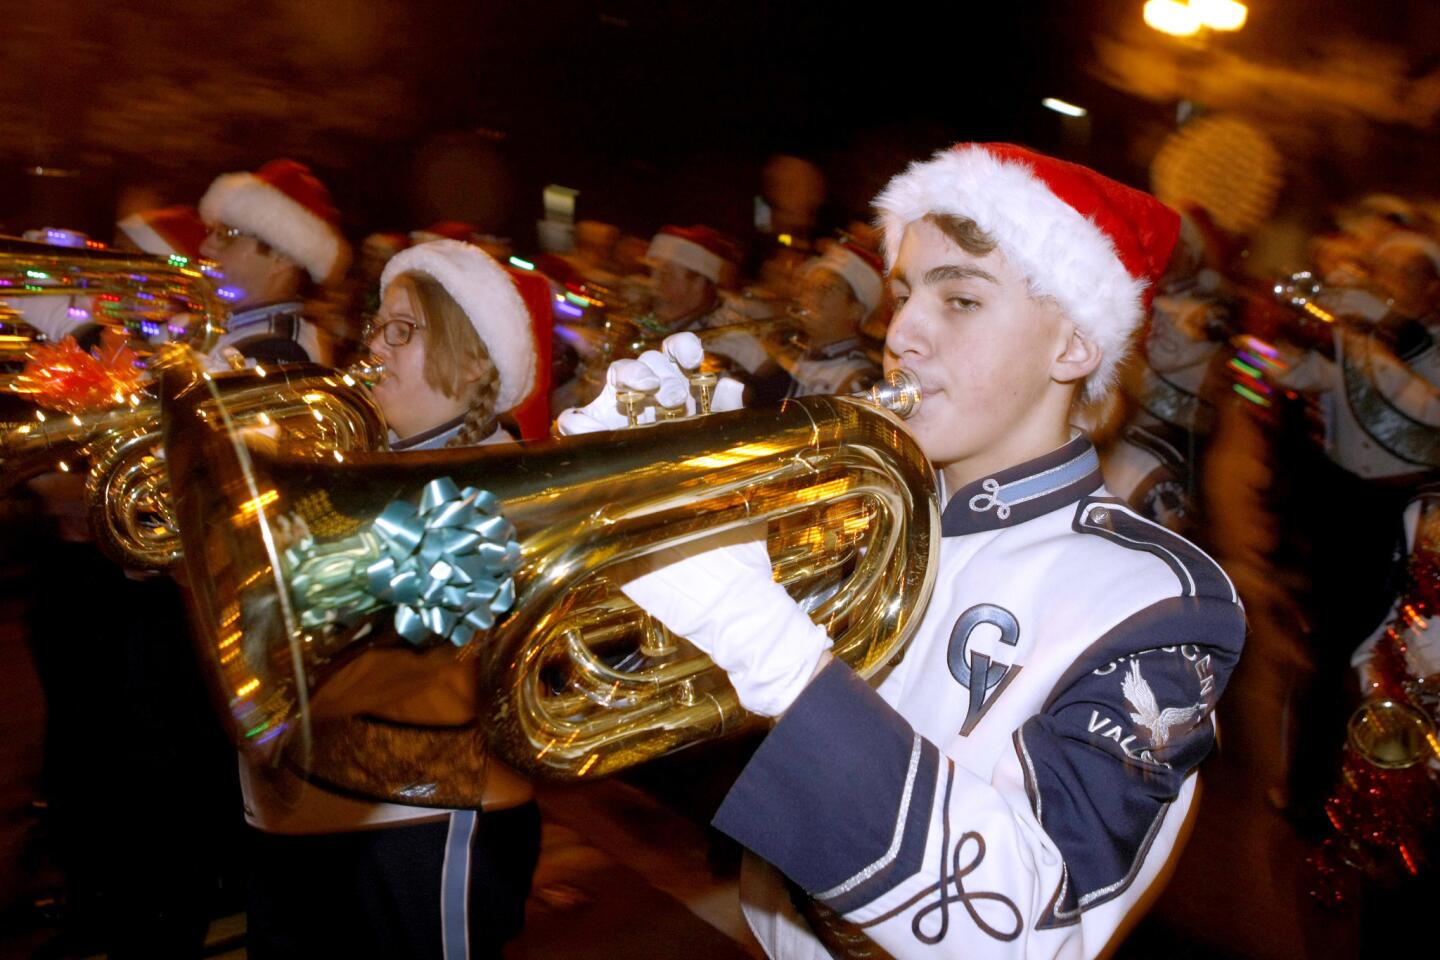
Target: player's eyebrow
{"type": "Point", "coordinates": [951, 271]}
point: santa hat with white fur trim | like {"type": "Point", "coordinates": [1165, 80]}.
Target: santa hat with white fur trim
{"type": "Point", "coordinates": [169, 231]}
{"type": "Point", "coordinates": [1096, 246]}
{"type": "Point", "coordinates": [698, 249]}
{"type": "Point", "coordinates": [284, 205]}
{"type": "Point", "coordinates": [489, 299]}
{"type": "Point", "coordinates": [859, 268]}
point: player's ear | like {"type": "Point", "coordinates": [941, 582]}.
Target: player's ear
{"type": "Point", "coordinates": [1077, 355]}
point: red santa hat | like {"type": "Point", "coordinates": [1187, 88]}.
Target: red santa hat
{"type": "Point", "coordinates": [169, 231]}
{"type": "Point", "coordinates": [486, 294]}
{"type": "Point", "coordinates": [384, 243]}
{"type": "Point", "coordinates": [859, 268]}
{"type": "Point", "coordinates": [446, 230]}
{"type": "Point", "coordinates": [699, 249]}
{"type": "Point", "coordinates": [1096, 246]}
{"type": "Point", "coordinates": [284, 205]}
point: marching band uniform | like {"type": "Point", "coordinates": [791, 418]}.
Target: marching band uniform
{"type": "Point", "coordinates": [1011, 794]}
{"type": "Point", "coordinates": [1383, 418]}
{"type": "Point", "coordinates": [709, 254]}
{"type": "Point", "coordinates": [1381, 404]}
{"type": "Point", "coordinates": [270, 332]}
{"type": "Point", "coordinates": [1152, 463]}
{"type": "Point", "coordinates": [1017, 782]}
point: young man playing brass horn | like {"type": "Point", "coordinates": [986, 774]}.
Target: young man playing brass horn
{"type": "Point", "coordinates": [1014, 786]}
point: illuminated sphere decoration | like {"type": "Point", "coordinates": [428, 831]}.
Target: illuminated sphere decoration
{"type": "Point", "coordinates": [1224, 166]}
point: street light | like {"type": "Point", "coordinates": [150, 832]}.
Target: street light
{"type": "Point", "coordinates": [1173, 17]}
{"type": "Point", "coordinates": [1180, 18]}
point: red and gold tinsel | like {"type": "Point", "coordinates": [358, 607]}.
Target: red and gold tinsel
{"type": "Point", "coordinates": [1385, 820]}
{"type": "Point", "coordinates": [61, 376]}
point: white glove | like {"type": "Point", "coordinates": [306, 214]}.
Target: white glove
{"type": "Point", "coordinates": [719, 593]}
{"type": "Point", "coordinates": [662, 377]}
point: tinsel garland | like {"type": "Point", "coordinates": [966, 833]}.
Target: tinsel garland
{"type": "Point", "coordinates": [1384, 820]}
{"type": "Point", "coordinates": [62, 376]}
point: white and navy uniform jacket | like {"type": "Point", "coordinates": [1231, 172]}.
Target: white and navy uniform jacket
{"type": "Point", "coordinates": [271, 332]}
{"type": "Point", "coordinates": [1018, 780]}
{"type": "Point", "coordinates": [837, 368]}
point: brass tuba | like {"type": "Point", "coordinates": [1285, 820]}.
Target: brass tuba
{"type": "Point", "coordinates": [289, 578]}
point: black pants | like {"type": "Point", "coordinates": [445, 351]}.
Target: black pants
{"type": "Point", "coordinates": [429, 890]}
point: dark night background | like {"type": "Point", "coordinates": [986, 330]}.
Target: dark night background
{"type": "Point", "coordinates": [657, 112]}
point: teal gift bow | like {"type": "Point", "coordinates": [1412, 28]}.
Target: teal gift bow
{"type": "Point", "coordinates": [447, 566]}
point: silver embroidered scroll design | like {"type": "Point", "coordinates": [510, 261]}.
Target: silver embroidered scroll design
{"type": "Point", "coordinates": [983, 502]}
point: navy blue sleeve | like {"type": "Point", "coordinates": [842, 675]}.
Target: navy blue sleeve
{"type": "Point", "coordinates": [1127, 724]}
{"type": "Point", "coordinates": [842, 787]}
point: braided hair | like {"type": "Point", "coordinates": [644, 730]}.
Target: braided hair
{"type": "Point", "coordinates": [480, 420]}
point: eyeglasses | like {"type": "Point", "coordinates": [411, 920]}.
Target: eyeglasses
{"type": "Point", "coordinates": [224, 235]}
{"type": "Point", "coordinates": [397, 332]}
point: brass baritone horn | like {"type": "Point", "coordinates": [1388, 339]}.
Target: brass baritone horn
{"type": "Point", "coordinates": [127, 489]}
{"type": "Point", "coordinates": [293, 568]}
{"type": "Point", "coordinates": [157, 300]}
{"type": "Point", "coordinates": [148, 297]}
{"type": "Point", "coordinates": [299, 405]}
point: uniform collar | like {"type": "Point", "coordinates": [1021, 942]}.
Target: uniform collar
{"type": "Point", "coordinates": [436, 436]}
{"type": "Point", "coordinates": [1025, 491]}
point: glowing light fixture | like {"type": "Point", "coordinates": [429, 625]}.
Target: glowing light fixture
{"type": "Point", "coordinates": [522, 264]}
{"type": "Point", "coordinates": [1220, 14]}
{"type": "Point", "coordinates": [1060, 106]}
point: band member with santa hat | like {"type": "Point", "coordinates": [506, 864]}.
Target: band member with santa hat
{"type": "Point", "coordinates": [1015, 785]}
{"type": "Point", "coordinates": [274, 233]}
{"type": "Point", "coordinates": [838, 293]}
{"type": "Point", "coordinates": [340, 876]}
{"type": "Point", "coordinates": [689, 269]}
